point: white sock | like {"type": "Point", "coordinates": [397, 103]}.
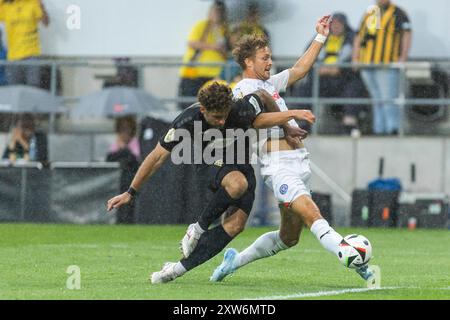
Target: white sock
{"type": "Point", "coordinates": [265, 246]}
{"type": "Point", "coordinates": [326, 235]}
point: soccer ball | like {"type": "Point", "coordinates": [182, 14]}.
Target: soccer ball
{"type": "Point", "coordinates": [355, 251]}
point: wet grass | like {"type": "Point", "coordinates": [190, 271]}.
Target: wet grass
{"type": "Point", "coordinates": [116, 261]}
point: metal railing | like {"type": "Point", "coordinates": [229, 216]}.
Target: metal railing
{"type": "Point", "coordinates": [315, 100]}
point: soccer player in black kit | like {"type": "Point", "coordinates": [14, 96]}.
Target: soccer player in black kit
{"type": "Point", "coordinates": [233, 182]}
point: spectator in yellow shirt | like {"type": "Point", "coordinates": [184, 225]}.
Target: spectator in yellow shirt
{"type": "Point", "coordinates": [21, 19]}
{"type": "Point", "coordinates": [207, 43]}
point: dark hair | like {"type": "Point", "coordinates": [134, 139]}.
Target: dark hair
{"type": "Point", "coordinates": [253, 8]}
{"type": "Point", "coordinates": [126, 122]}
{"type": "Point", "coordinates": [247, 47]}
{"type": "Point", "coordinates": [216, 97]}
{"type": "Point", "coordinates": [343, 19]}
{"type": "Point", "coordinates": [222, 8]}
{"type": "Point", "coordinates": [26, 121]}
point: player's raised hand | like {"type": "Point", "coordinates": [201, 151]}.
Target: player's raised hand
{"type": "Point", "coordinates": [118, 201]}
{"type": "Point", "coordinates": [323, 25]}
{"type": "Point", "coordinates": [305, 115]}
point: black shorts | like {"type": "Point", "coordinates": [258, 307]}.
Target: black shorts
{"type": "Point", "coordinates": [215, 175]}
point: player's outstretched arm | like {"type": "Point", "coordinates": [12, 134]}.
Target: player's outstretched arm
{"type": "Point", "coordinates": [271, 119]}
{"type": "Point", "coordinates": [274, 117]}
{"type": "Point", "coordinates": [305, 63]}
{"type": "Point", "coordinates": [291, 133]}
{"type": "Point", "coordinates": [150, 165]}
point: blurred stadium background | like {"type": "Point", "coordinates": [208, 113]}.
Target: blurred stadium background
{"type": "Point", "coordinates": [150, 37]}
{"type": "Point", "coordinates": [146, 40]}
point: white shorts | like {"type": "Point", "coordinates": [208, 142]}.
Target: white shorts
{"type": "Point", "coordinates": [287, 173]}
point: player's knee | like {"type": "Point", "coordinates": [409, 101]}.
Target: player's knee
{"type": "Point", "coordinates": [237, 228]}
{"type": "Point", "coordinates": [235, 184]}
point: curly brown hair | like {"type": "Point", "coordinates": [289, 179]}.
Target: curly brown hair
{"type": "Point", "coordinates": [216, 97]}
{"type": "Point", "coordinates": [247, 47]}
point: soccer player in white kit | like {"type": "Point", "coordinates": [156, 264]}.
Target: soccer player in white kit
{"type": "Point", "coordinates": [285, 169]}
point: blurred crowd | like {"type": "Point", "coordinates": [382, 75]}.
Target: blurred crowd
{"type": "Point", "coordinates": [211, 41]}
{"type": "Point", "coordinates": [383, 37]}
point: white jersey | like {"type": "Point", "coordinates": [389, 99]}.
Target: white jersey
{"type": "Point", "coordinates": [274, 85]}
{"type": "Point", "coordinates": [288, 172]}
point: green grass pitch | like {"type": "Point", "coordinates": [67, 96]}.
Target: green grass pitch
{"type": "Point", "coordinates": [115, 263]}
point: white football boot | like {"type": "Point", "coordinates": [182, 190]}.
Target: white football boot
{"type": "Point", "coordinates": [190, 240]}
{"type": "Point", "coordinates": [166, 274]}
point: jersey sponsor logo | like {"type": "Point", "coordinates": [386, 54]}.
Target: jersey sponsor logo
{"type": "Point", "coordinates": [218, 163]}
{"type": "Point", "coordinates": [238, 93]}
{"type": "Point", "coordinates": [284, 188]}
{"type": "Point", "coordinates": [255, 105]}
{"type": "Point", "coordinates": [170, 136]}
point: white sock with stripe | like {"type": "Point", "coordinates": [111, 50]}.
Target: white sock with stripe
{"type": "Point", "coordinates": [326, 235]}
{"type": "Point", "coordinates": [266, 245]}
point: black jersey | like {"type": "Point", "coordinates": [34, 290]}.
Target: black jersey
{"type": "Point", "coordinates": [206, 140]}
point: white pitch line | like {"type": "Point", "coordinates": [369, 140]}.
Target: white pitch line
{"type": "Point", "coordinates": [321, 293]}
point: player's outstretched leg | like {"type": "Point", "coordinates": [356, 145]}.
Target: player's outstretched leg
{"type": "Point", "coordinates": [327, 236]}
{"type": "Point", "coordinates": [265, 246]}
{"type": "Point", "coordinates": [308, 211]}
{"type": "Point", "coordinates": [210, 244]}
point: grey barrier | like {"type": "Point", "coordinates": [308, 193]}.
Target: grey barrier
{"type": "Point", "coordinates": [62, 193]}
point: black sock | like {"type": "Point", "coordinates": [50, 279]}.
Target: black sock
{"type": "Point", "coordinates": [210, 243]}
{"type": "Point", "coordinates": [214, 209]}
